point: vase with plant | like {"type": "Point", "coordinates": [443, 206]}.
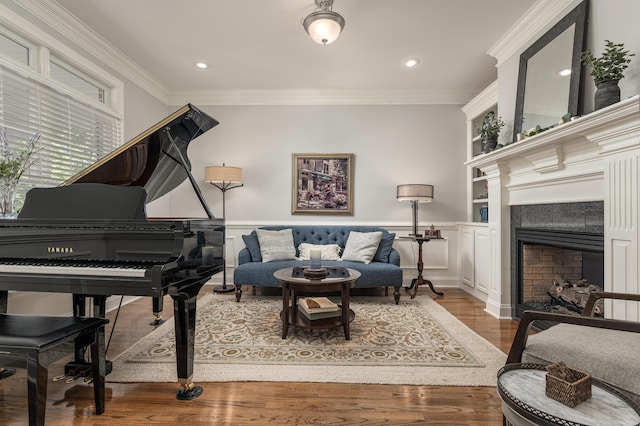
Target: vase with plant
{"type": "Point", "coordinates": [607, 70]}
{"type": "Point", "coordinates": [13, 164]}
{"type": "Point", "coordinates": [490, 130]}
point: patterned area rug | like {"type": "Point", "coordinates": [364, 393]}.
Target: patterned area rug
{"type": "Point", "coordinates": [415, 342]}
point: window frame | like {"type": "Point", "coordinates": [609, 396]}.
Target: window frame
{"type": "Point", "coordinates": [105, 116]}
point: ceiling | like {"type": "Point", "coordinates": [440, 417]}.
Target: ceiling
{"type": "Point", "coordinates": [260, 45]}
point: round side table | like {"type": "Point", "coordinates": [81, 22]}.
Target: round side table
{"type": "Point", "coordinates": [522, 390]}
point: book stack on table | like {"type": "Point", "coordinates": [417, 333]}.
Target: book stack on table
{"type": "Point", "coordinates": [318, 308]}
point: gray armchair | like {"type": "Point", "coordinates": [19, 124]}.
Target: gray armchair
{"type": "Point", "coordinates": [608, 349]}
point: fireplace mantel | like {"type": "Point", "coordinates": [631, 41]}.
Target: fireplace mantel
{"type": "Point", "coordinates": [610, 126]}
{"type": "Point", "coordinates": [595, 157]}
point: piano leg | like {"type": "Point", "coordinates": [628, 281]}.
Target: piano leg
{"type": "Point", "coordinates": [184, 313]}
{"type": "Point", "coordinates": [158, 307]}
{"type": "Point", "coordinates": [79, 310]}
{"type": "Point", "coordinates": [4, 298]}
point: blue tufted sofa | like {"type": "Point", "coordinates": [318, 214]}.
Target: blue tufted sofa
{"type": "Point", "coordinates": [383, 271]}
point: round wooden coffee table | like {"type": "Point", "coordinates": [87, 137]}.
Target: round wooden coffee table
{"type": "Point", "coordinates": [294, 284]}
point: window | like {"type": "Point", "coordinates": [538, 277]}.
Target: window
{"type": "Point", "coordinates": [75, 132]}
{"type": "Point", "coordinates": [16, 50]}
{"type": "Point", "coordinates": [74, 79]}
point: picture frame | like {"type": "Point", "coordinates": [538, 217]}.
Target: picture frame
{"type": "Point", "coordinates": [322, 184]}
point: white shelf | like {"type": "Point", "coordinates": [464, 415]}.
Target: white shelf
{"type": "Point", "coordinates": [476, 111]}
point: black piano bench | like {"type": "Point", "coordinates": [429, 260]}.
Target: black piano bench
{"type": "Point", "coordinates": [37, 341]}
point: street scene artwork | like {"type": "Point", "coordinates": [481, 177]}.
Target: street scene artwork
{"type": "Point", "coordinates": [322, 183]}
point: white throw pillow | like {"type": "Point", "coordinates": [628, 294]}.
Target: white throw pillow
{"type": "Point", "coordinates": [276, 245]}
{"type": "Point", "coordinates": [329, 251]}
{"type": "Point", "coordinates": [361, 246]}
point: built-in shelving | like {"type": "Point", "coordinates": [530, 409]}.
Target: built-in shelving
{"type": "Point", "coordinates": [477, 189]}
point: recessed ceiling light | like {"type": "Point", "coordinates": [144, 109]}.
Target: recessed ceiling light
{"type": "Point", "coordinates": [565, 72]}
{"type": "Point", "coordinates": [412, 62]}
{"type": "Point", "coordinates": [201, 65]}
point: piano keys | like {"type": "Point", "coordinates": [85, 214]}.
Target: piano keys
{"type": "Point", "coordinates": [90, 236]}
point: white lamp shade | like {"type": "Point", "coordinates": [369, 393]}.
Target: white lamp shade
{"type": "Point", "coordinates": [324, 27]}
{"type": "Point", "coordinates": [220, 174]}
{"type": "Point", "coordinates": [415, 192]}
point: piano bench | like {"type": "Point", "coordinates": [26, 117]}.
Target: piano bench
{"type": "Point", "coordinates": [37, 341]}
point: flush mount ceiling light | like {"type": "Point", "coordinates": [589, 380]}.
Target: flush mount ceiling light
{"type": "Point", "coordinates": [410, 63]}
{"type": "Point", "coordinates": [324, 25]}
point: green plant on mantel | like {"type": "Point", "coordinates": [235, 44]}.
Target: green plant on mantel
{"type": "Point", "coordinates": [491, 126]}
{"type": "Point", "coordinates": [611, 65]}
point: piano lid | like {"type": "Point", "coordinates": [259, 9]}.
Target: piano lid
{"type": "Point", "coordinates": [156, 159]}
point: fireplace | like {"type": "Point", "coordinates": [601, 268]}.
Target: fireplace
{"type": "Point", "coordinates": [557, 269]}
{"type": "Point", "coordinates": [554, 245]}
{"type": "Point", "coordinates": [593, 161]}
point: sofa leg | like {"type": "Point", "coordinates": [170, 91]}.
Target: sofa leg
{"type": "Point", "coordinates": [253, 291]}
{"type": "Point", "coordinates": [386, 291]}
{"type": "Point", "coordinates": [238, 293]}
{"type": "Point", "coordinates": [396, 294]}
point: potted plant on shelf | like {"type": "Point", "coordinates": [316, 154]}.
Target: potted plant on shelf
{"type": "Point", "coordinates": [607, 70]}
{"type": "Point", "coordinates": [490, 131]}
{"type": "Point", "coordinates": [12, 167]}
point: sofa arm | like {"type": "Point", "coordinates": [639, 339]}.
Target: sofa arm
{"type": "Point", "coordinates": [394, 257]}
{"type": "Point", "coordinates": [244, 256]}
{"type": "Point", "coordinates": [529, 317]}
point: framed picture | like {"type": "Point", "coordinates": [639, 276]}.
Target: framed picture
{"type": "Point", "coordinates": [322, 184]}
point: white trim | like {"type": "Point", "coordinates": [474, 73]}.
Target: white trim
{"type": "Point", "coordinates": [482, 102]}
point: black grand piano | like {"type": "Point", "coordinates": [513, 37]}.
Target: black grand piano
{"type": "Point", "coordinates": [90, 236]}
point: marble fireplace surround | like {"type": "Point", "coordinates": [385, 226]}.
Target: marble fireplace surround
{"type": "Point", "coordinates": [593, 158]}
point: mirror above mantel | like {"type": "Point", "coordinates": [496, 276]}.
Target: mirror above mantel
{"type": "Point", "coordinates": [550, 74]}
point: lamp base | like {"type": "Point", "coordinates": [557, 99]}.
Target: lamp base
{"type": "Point", "coordinates": [224, 289]}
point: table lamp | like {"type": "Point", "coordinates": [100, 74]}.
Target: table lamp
{"type": "Point", "coordinates": [415, 193]}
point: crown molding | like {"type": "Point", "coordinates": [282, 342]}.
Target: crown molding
{"type": "Point", "coordinates": [56, 17]}
{"type": "Point", "coordinates": [323, 97]}
{"type": "Point", "coordinates": [485, 99]}
{"type": "Point", "coordinates": [540, 17]}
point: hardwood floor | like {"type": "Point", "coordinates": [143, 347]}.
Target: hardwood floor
{"type": "Point", "coordinates": [242, 403]}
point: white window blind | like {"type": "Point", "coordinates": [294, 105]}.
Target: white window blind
{"type": "Point", "coordinates": [74, 133]}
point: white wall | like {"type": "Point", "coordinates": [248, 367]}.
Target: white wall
{"type": "Point", "coordinates": [615, 20]}
{"type": "Point", "coordinates": [392, 145]}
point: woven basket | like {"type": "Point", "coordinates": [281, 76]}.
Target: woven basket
{"type": "Point", "coordinates": [566, 385]}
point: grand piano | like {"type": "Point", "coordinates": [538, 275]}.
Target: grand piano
{"type": "Point", "coordinates": [90, 236]}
